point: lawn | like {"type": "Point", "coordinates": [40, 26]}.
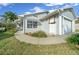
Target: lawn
{"type": "Point", "coordinates": [9, 45]}
{"type": "Point", "coordinates": [6, 34]}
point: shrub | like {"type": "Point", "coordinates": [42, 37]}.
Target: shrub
{"type": "Point", "coordinates": [2, 27]}
{"type": "Point", "coordinates": [10, 26]}
{"type": "Point", "coordinates": [73, 39]}
{"type": "Point", "coordinates": [2, 24]}
{"type": "Point", "coordinates": [28, 33]}
{"type": "Point", "coordinates": [39, 34]}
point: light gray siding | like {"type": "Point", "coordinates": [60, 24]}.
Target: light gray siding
{"type": "Point", "coordinates": [54, 28]}
{"type": "Point", "coordinates": [39, 16]}
{"type": "Point", "coordinates": [77, 26]}
{"type": "Point", "coordinates": [68, 14]}
{"type": "Point", "coordinates": [67, 25]}
{"type": "Point", "coordinates": [45, 26]}
{"type": "Point", "coordinates": [35, 17]}
{"type": "Point", "coordinates": [26, 30]}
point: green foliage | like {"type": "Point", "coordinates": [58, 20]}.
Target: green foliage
{"type": "Point", "coordinates": [9, 19]}
{"type": "Point", "coordinates": [12, 46]}
{"type": "Point", "coordinates": [7, 26]}
{"type": "Point", "coordinates": [39, 34]}
{"type": "Point", "coordinates": [7, 34]}
{"type": "Point", "coordinates": [73, 39]}
{"type": "Point", "coordinates": [2, 27]}
{"type": "Point", "coordinates": [10, 16]}
{"type": "Point", "coordinates": [10, 26]}
{"type": "Point", "coordinates": [9, 45]}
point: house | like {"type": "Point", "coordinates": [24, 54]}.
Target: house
{"type": "Point", "coordinates": [58, 22]}
{"type": "Point", "coordinates": [77, 23]}
{"type": "Point", "coordinates": [2, 19]}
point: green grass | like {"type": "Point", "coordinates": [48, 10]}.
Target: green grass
{"type": "Point", "coordinates": [11, 46]}
{"type": "Point", "coordinates": [6, 34]}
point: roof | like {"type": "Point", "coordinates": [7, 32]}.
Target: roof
{"type": "Point", "coordinates": [55, 12]}
{"type": "Point", "coordinates": [36, 13]}
{"type": "Point", "coordinates": [49, 14]}
{"type": "Point", "coordinates": [24, 15]}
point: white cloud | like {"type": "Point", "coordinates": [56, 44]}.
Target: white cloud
{"type": "Point", "coordinates": [4, 4]}
{"type": "Point", "coordinates": [66, 6]}
{"type": "Point", "coordinates": [49, 4]}
{"type": "Point", "coordinates": [53, 4]}
{"type": "Point", "coordinates": [52, 10]}
{"type": "Point", "coordinates": [62, 5]}
{"type": "Point", "coordinates": [37, 9]}
{"type": "Point", "coordinates": [28, 12]}
{"type": "Point", "coordinates": [70, 5]}
{"type": "Point", "coordinates": [75, 4]}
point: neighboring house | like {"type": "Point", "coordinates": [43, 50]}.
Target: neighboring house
{"type": "Point", "coordinates": [77, 23]}
{"type": "Point", "coordinates": [1, 19]}
{"type": "Point", "coordinates": [58, 22]}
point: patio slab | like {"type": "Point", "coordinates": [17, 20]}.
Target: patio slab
{"type": "Point", "coordinates": [40, 41]}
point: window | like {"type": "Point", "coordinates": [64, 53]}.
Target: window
{"type": "Point", "coordinates": [34, 24]}
{"type": "Point", "coordinates": [31, 24]}
{"type": "Point", "coordinates": [52, 21]}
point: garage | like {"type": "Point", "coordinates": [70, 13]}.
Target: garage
{"type": "Point", "coordinates": [67, 26]}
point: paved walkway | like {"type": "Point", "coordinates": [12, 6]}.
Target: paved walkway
{"type": "Point", "coordinates": [41, 41]}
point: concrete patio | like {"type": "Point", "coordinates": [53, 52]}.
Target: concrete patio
{"type": "Point", "coordinates": [40, 41]}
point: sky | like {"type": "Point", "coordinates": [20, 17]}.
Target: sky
{"type": "Point", "coordinates": [27, 8]}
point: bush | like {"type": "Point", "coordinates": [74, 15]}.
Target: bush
{"type": "Point", "coordinates": [2, 27]}
{"type": "Point", "coordinates": [73, 39]}
{"type": "Point", "coordinates": [39, 34]}
{"type": "Point", "coordinates": [2, 24]}
{"type": "Point", "coordinates": [10, 26]}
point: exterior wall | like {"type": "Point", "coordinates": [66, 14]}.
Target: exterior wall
{"type": "Point", "coordinates": [68, 14]}
{"type": "Point", "coordinates": [41, 15]}
{"type": "Point", "coordinates": [25, 29]}
{"type": "Point", "coordinates": [53, 28]}
{"type": "Point", "coordinates": [56, 28]}
{"type": "Point", "coordinates": [35, 18]}
{"type": "Point", "coordinates": [77, 26]}
{"type": "Point", "coordinates": [45, 26]}
{"type": "Point", "coordinates": [73, 26]}
{"type": "Point", "coordinates": [23, 26]}
{"type": "Point", "coordinates": [67, 26]}
{"type": "Point", "coordinates": [60, 22]}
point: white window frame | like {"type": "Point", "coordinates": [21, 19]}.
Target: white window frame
{"type": "Point", "coordinates": [31, 24]}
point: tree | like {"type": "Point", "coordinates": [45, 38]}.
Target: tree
{"type": "Point", "coordinates": [9, 17]}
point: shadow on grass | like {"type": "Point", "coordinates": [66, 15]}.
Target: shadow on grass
{"type": "Point", "coordinates": [7, 34]}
